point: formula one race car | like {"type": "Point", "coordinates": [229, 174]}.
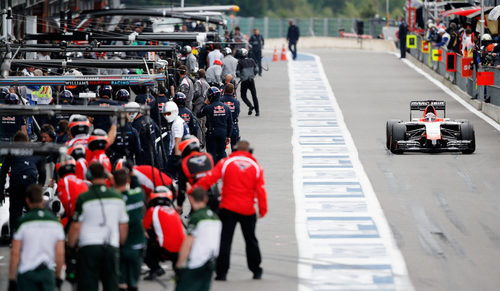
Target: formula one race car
{"type": "Point", "coordinates": [430, 133]}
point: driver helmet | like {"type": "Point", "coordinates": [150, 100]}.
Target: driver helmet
{"type": "Point", "coordinates": [170, 111]}
{"type": "Point", "coordinates": [98, 140]}
{"type": "Point", "coordinates": [12, 99]}
{"type": "Point", "coordinates": [122, 95]}
{"type": "Point", "coordinates": [227, 51]}
{"type": "Point", "coordinates": [186, 50]}
{"type": "Point", "coordinates": [4, 92]}
{"type": "Point", "coordinates": [161, 196]}
{"type": "Point", "coordinates": [213, 94]}
{"type": "Point", "coordinates": [105, 90]}
{"type": "Point", "coordinates": [180, 99]}
{"type": "Point", "coordinates": [66, 96]}
{"type": "Point", "coordinates": [243, 52]}
{"type": "Point", "coordinates": [132, 115]}
{"type": "Point", "coordinates": [66, 166]}
{"type": "Point", "coordinates": [189, 144]}
{"type": "Point", "coordinates": [79, 124]}
{"type": "Point", "coordinates": [77, 152]}
{"type": "Point", "coordinates": [430, 117]}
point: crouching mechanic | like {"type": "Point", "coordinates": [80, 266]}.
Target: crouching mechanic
{"type": "Point", "coordinates": [201, 247]}
{"type": "Point", "coordinates": [165, 232]}
{"type": "Point", "coordinates": [38, 245]}
{"type": "Point", "coordinates": [131, 251]}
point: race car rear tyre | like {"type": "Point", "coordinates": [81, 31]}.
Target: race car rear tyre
{"type": "Point", "coordinates": [388, 131]}
{"type": "Point", "coordinates": [398, 133]}
{"type": "Point", "coordinates": [467, 132]}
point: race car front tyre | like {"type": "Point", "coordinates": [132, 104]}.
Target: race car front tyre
{"type": "Point", "coordinates": [388, 131]}
{"type": "Point", "coordinates": [398, 133]}
{"type": "Point", "coordinates": [467, 132]}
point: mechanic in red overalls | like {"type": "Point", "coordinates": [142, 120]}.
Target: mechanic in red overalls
{"type": "Point", "coordinates": [149, 177]}
{"type": "Point", "coordinates": [165, 232]}
{"type": "Point", "coordinates": [97, 145]}
{"type": "Point", "coordinates": [69, 187]}
{"type": "Point", "coordinates": [78, 152]}
{"type": "Point", "coordinates": [195, 165]}
{"type": "Point", "coordinates": [243, 181]}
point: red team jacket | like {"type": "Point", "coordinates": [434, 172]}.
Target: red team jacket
{"type": "Point", "coordinates": [100, 157]}
{"type": "Point", "coordinates": [167, 225]}
{"type": "Point", "coordinates": [242, 182]}
{"type": "Point", "coordinates": [81, 168]}
{"type": "Point", "coordinates": [145, 177]}
{"type": "Point", "coordinates": [69, 188]}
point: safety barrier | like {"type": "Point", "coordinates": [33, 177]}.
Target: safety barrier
{"type": "Point", "coordinates": [277, 27]}
{"type": "Point", "coordinates": [488, 94]}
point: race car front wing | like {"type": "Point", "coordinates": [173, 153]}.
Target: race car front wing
{"type": "Point", "coordinates": [452, 145]}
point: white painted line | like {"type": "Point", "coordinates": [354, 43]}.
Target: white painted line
{"type": "Point", "coordinates": [318, 229]}
{"type": "Point", "coordinates": [448, 91]}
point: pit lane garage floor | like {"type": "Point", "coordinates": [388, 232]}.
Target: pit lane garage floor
{"type": "Point", "coordinates": [443, 209]}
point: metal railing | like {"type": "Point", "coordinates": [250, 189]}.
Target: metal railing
{"type": "Point", "coordinates": [278, 27]}
{"type": "Point", "coordinates": [482, 93]}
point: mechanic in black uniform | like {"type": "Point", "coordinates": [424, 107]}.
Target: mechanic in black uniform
{"type": "Point", "coordinates": [219, 124]}
{"type": "Point", "coordinates": [4, 93]}
{"type": "Point", "coordinates": [194, 166]}
{"type": "Point", "coordinates": [402, 32]}
{"type": "Point", "coordinates": [65, 98]}
{"type": "Point", "coordinates": [62, 130]}
{"type": "Point", "coordinates": [128, 147]}
{"type": "Point", "coordinates": [143, 97]}
{"type": "Point", "coordinates": [257, 42]}
{"type": "Point", "coordinates": [161, 99]}
{"type": "Point", "coordinates": [234, 105]}
{"type": "Point", "coordinates": [104, 100]}
{"type": "Point", "coordinates": [24, 171]}
{"type": "Point", "coordinates": [246, 70]}
{"type": "Point", "coordinates": [163, 125]}
{"type": "Point", "coordinates": [147, 136]}
{"type": "Point", "coordinates": [185, 113]}
{"type": "Point", "coordinates": [292, 36]}
{"type": "Point", "coordinates": [9, 125]}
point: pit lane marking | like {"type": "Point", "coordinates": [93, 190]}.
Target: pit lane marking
{"type": "Point", "coordinates": [339, 223]}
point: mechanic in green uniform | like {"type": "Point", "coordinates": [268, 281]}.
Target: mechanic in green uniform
{"type": "Point", "coordinates": [200, 247]}
{"type": "Point", "coordinates": [100, 225]}
{"type": "Point", "coordinates": [131, 251]}
{"type": "Point", "coordinates": [37, 246]}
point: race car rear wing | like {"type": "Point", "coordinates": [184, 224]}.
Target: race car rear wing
{"type": "Point", "coordinates": [422, 105]}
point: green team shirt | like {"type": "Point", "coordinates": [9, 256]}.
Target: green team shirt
{"type": "Point", "coordinates": [39, 231]}
{"type": "Point", "coordinates": [100, 211]}
{"type": "Point", "coordinates": [205, 227]}
{"type": "Point", "coordinates": [134, 202]}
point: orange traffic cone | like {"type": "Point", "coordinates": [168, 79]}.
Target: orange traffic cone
{"type": "Point", "coordinates": [283, 54]}
{"type": "Point", "coordinates": [275, 55]}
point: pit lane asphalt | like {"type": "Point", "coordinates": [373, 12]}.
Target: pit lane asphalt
{"type": "Point", "coordinates": [444, 209]}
